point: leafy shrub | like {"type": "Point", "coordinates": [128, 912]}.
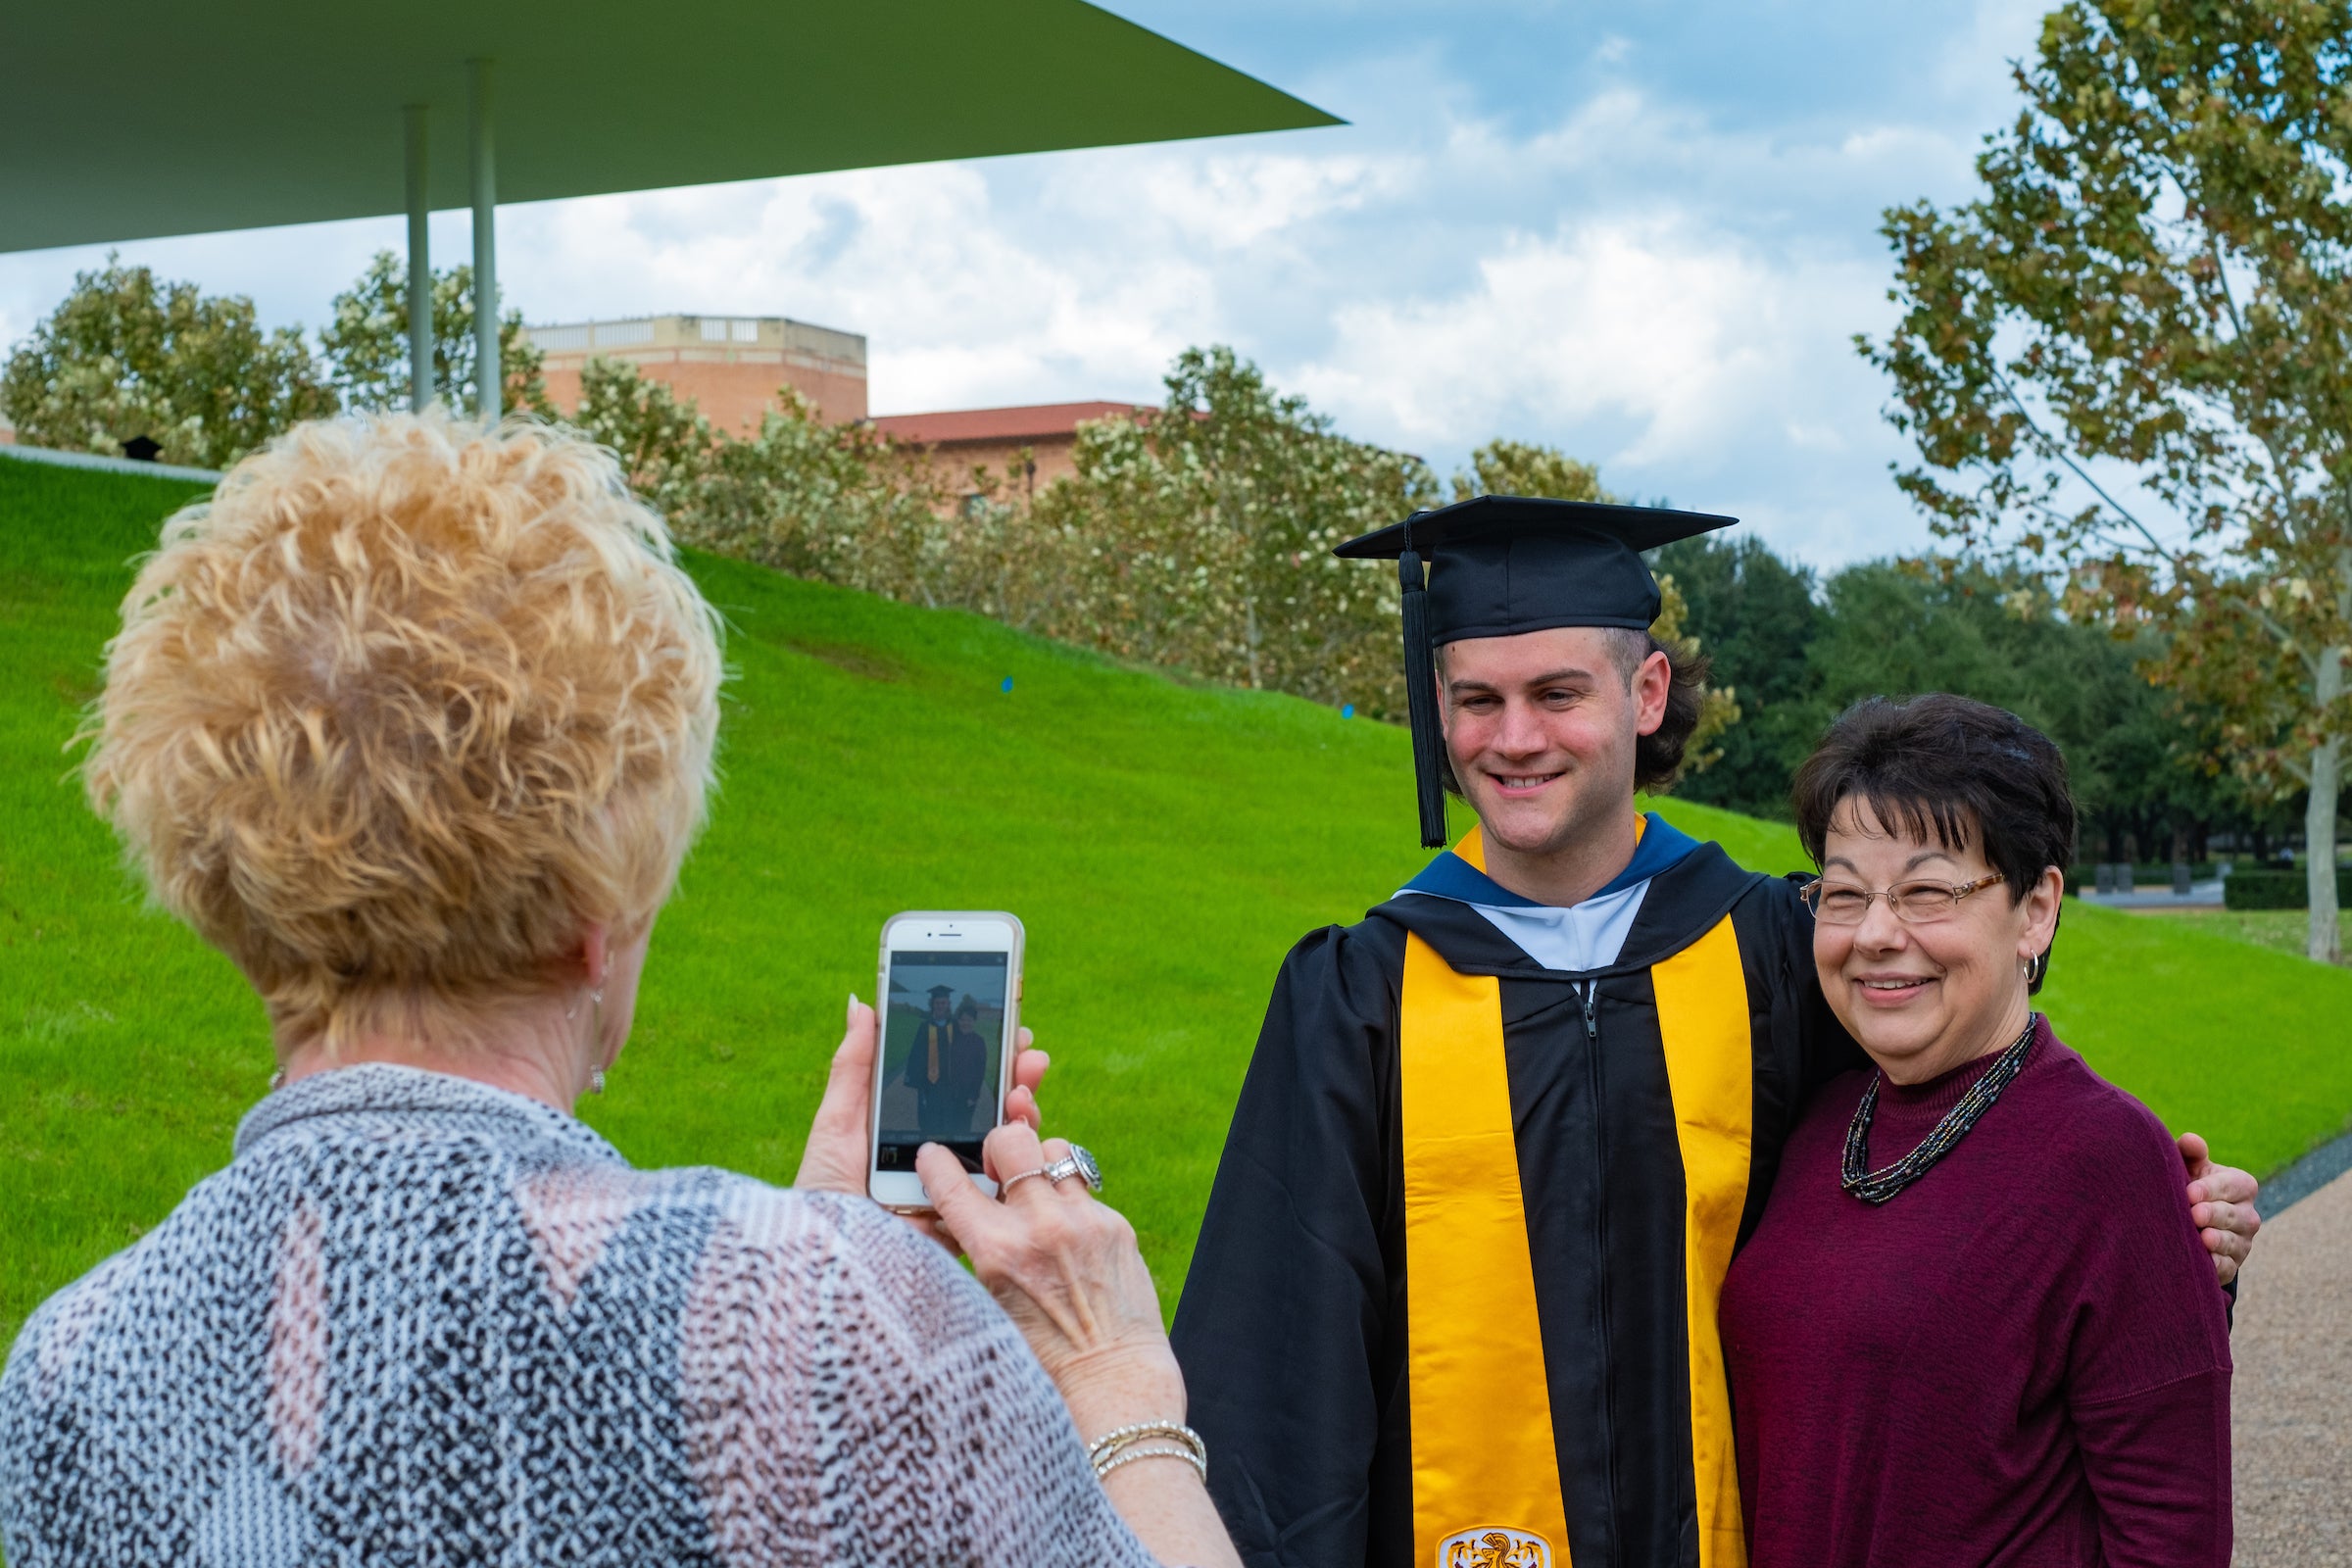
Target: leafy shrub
{"type": "Point", "coordinates": [2279, 890]}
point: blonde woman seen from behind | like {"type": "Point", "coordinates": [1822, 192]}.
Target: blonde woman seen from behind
{"type": "Point", "coordinates": [415, 722]}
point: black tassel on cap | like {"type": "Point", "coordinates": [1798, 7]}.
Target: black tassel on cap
{"type": "Point", "coordinates": [1421, 698]}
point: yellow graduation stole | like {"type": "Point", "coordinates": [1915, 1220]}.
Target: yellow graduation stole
{"type": "Point", "coordinates": [1485, 1466]}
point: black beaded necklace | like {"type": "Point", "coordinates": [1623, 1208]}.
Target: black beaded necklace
{"type": "Point", "coordinates": [1878, 1186]}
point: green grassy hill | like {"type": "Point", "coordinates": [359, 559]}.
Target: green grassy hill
{"type": "Point", "coordinates": [1165, 843]}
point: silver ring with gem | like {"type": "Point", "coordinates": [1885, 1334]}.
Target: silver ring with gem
{"type": "Point", "coordinates": [1078, 1162]}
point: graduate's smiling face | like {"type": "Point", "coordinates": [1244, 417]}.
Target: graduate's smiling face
{"type": "Point", "coordinates": [1924, 996]}
{"type": "Point", "coordinates": [1541, 730]}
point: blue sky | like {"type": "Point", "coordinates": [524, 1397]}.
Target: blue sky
{"type": "Point", "coordinates": [1644, 232]}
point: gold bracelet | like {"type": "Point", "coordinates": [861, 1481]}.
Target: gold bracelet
{"type": "Point", "coordinates": [1153, 1452]}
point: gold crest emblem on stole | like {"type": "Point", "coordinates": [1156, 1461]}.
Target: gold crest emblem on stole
{"type": "Point", "coordinates": [1494, 1547]}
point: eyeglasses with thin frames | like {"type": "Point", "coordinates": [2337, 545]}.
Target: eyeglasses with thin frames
{"type": "Point", "coordinates": [1913, 903]}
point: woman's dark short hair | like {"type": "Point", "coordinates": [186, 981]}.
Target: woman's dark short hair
{"type": "Point", "coordinates": [1950, 770]}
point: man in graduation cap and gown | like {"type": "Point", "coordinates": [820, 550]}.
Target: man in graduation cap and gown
{"type": "Point", "coordinates": [1453, 1300]}
{"type": "Point", "coordinates": [945, 1065]}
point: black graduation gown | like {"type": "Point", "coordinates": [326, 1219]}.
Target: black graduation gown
{"type": "Point", "coordinates": [944, 1108]}
{"type": "Point", "coordinates": [1292, 1327]}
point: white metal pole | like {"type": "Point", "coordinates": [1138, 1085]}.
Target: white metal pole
{"type": "Point", "coordinates": [420, 269]}
{"type": "Point", "coordinates": [486, 377]}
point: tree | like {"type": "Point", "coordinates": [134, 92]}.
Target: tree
{"type": "Point", "coordinates": [1503, 467]}
{"type": "Point", "coordinates": [1898, 629]}
{"type": "Point", "coordinates": [126, 356]}
{"type": "Point", "coordinates": [665, 446]}
{"type": "Point", "coordinates": [1717, 706]}
{"type": "Point", "coordinates": [842, 503]}
{"type": "Point", "coordinates": [1757, 615]}
{"type": "Point", "coordinates": [1202, 537]}
{"type": "Point", "coordinates": [2147, 310]}
{"type": "Point", "coordinates": [834, 501]}
{"type": "Point", "coordinates": [1798, 654]}
{"type": "Point", "coordinates": [367, 344]}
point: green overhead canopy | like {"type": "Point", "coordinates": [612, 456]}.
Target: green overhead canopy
{"type": "Point", "coordinates": [149, 117]}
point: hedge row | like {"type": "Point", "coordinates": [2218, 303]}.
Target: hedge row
{"type": "Point", "coordinates": [2280, 890]}
{"type": "Point", "coordinates": [2146, 875]}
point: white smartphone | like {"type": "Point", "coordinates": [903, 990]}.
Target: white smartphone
{"type": "Point", "coordinates": [949, 1001]}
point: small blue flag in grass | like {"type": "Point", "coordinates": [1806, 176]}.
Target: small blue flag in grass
{"type": "Point", "coordinates": [1007, 686]}
{"type": "Point", "coordinates": [1347, 710]}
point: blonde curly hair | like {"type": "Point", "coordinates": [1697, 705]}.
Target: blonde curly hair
{"type": "Point", "coordinates": [401, 710]}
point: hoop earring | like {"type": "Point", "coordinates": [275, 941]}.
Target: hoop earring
{"type": "Point", "coordinates": [596, 1036]}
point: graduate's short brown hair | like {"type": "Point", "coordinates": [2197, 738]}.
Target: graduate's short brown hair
{"type": "Point", "coordinates": [1658, 755]}
{"type": "Point", "coordinates": [1949, 770]}
{"type": "Point", "coordinates": [401, 709]}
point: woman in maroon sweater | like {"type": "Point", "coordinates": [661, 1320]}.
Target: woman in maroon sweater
{"type": "Point", "coordinates": [1933, 1363]}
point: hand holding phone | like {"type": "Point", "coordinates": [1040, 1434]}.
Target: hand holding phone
{"type": "Point", "coordinates": [948, 1000]}
{"type": "Point", "coordinates": [838, 1155]}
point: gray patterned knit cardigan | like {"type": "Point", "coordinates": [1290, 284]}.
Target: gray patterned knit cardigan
{"type": "Point", "coordinates": [418, 1320]}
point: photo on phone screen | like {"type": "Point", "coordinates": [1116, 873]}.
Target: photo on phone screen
{"type": "Point", "coordinates": [942, 1039]}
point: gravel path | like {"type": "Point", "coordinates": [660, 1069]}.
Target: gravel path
{"type": "Point", "coordinates": [2291, 1398]}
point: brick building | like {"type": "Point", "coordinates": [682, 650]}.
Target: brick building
{"type": "Point", "coordinates": [730, 365]}
{"type": "Point", "coordinates": [995, 438]}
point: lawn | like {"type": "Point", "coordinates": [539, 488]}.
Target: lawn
{"type": "Point", "coordinates": [2279, 930]}
{"type": "Point", "coordinates": [1165, 843]}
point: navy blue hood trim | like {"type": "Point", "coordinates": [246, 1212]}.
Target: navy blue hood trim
{"type": "Point", "coordinates": [1662, 848]}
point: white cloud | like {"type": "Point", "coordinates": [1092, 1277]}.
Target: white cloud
{"type": "Point", "coordinates": [1684, 359]}
{"type": "Point", "coordinates": [1641, 319]}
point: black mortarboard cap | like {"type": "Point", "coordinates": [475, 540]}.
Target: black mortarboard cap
{"type": "Point", "coordinates": [1500, 565]}
{"type": "Point", "coordinates": [942, 993]}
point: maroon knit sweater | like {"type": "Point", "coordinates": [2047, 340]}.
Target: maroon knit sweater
{"type": "Point", "coordinates": [2021, 1359]}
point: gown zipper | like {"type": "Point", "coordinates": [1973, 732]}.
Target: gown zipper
{"type": "Point", "coordinates": [1600, 1244]}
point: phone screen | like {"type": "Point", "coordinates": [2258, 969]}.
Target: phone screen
{"type": "Point", "coordinates": [943, 1040]}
